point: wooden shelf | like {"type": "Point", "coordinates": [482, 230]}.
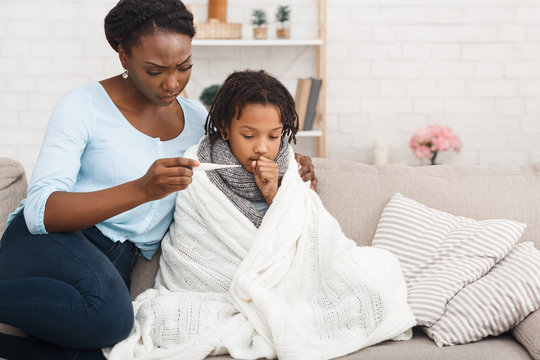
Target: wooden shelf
{"type": "Point", "coordinates": [319, 42]}
{"type": "Point", "coordinates": [251, 42]}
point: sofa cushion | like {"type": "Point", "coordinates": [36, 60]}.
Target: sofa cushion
{"type": "Point", "coordinates": [12, 188]}
{"type": "Point", "coordinates": [421, 347]}
{"type": "Point", "coordinates": [355, 193]}
{"type": "Point", "coordinates": [528, 334]}
{"type": "Point", "coordinates": [144, 274]}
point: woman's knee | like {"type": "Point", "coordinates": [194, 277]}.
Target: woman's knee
{"type": "Point", "coordinates": [121, 324]}
{"type": "Point", "coordinates": [101, 323]}
{"type": "Point", "coordinates": [115, 322]}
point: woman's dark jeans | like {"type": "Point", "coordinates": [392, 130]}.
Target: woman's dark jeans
{"type": "Point", "coordinates": [69, 291]}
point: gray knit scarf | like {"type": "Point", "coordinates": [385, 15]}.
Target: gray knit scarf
{"type": "Point", "coordinates": [237, 183]}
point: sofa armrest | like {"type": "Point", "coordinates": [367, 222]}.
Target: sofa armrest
{"type": "Point", "coordinates": [12, 188]}
{"type": "Point", "coordinates": [528, 334]}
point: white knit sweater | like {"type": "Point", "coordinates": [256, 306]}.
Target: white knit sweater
{"type": "Point", "coordinates": [295, 288]}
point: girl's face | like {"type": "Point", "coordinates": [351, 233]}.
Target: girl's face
{"type": "Point", "coordinates": [159, 65]}
{"type": "Point", "coordinates": [256, 133]}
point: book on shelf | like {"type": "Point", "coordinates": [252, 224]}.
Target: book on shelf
{"type": "Point", "coordinates": [301, 99]}
{"type": "Point", "coordinates": [307, 98]}
{"type": "Point", "coordinates": [313, 100]}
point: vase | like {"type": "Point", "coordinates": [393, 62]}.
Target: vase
{"type": "Point", "coordinates": [283, 33]}
{"type": "Point", "coordinates": [433, 156]}
{"type": "Point", "coordinates": [217, 9]}
{"type": "Point", "coordinates": [260, 32]}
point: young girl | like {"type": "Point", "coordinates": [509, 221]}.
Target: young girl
{"type": "Point", "coordinates": [253, 265]}
{"type": "Point", "coordinates": [250, 124]}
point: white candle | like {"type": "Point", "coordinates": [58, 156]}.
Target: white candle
{"type": "Point", "coordinates": [381, 151]}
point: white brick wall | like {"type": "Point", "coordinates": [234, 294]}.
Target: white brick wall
{"type": "Point", "coordinates": [392, 65]}
{"type": "Point", "coordinates": [46, 48]}
{"type": "Point", "coordinates": [473, 65]}
{"type": "Point", "coordinates": [50, 46]}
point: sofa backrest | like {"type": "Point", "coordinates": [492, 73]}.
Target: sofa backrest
{"type": "Point", "coordinates": [355, 193]}
{"type": "Point", "coordinates": [12, 188]}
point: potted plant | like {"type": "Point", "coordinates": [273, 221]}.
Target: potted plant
{"type": "Point", "coordinates": [209, 94]}
{"type": "Point", "coordinates": [259, 21]}
{"type": "Point", "coordinates": [283, 15]}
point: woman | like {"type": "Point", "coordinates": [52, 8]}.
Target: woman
{"type": "Point", "coordinates": [103, 190]}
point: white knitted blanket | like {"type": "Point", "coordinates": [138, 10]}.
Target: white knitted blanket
{"type": "Point", "coordinates": [295, 288]}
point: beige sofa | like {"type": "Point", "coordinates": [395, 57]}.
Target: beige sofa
{"type": "Point", "coordinates": [356, 195]}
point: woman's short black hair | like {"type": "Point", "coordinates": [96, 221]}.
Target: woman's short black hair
{"type": "Point", "coordinates": [251, 87]}
{"type": "Point", "coordinates": [131, 19]}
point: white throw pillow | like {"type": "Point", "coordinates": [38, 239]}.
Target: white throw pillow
{"type": "Point", "coordinates": [441, 253]}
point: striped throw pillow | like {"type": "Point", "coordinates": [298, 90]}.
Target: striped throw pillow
{"type": "Point", "coordinates": [440, 253]}
{"type": "Point", "coordinates": [494, 304]}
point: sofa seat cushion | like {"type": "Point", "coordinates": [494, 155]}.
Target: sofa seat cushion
{"type": "Point", "coordinates": [421, 347]}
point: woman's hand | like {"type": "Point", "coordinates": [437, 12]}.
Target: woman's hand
{"type": "Point", "coordinates": [266, 173]}
{"type": "Point", "coordinates": [307, 171]}
{"type": "Point", "coordinates": [166, 176]}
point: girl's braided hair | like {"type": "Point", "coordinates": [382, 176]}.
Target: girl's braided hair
{"type": "Point", "coordinates": [131, 19]}
{"type": "Point", "coordinates": [251, 87]}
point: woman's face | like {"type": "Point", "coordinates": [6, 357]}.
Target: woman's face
{"type": "Point", "coordinates": [159, 65]}
{"type": "Point", "coordinates": [256, 133]}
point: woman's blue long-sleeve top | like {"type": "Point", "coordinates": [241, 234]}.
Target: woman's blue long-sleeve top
{"type": "Point", "coordinates": [89, 145]}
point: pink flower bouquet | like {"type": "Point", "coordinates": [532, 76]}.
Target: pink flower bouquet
{"type": "Point", "coordinates": [427, 142]}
